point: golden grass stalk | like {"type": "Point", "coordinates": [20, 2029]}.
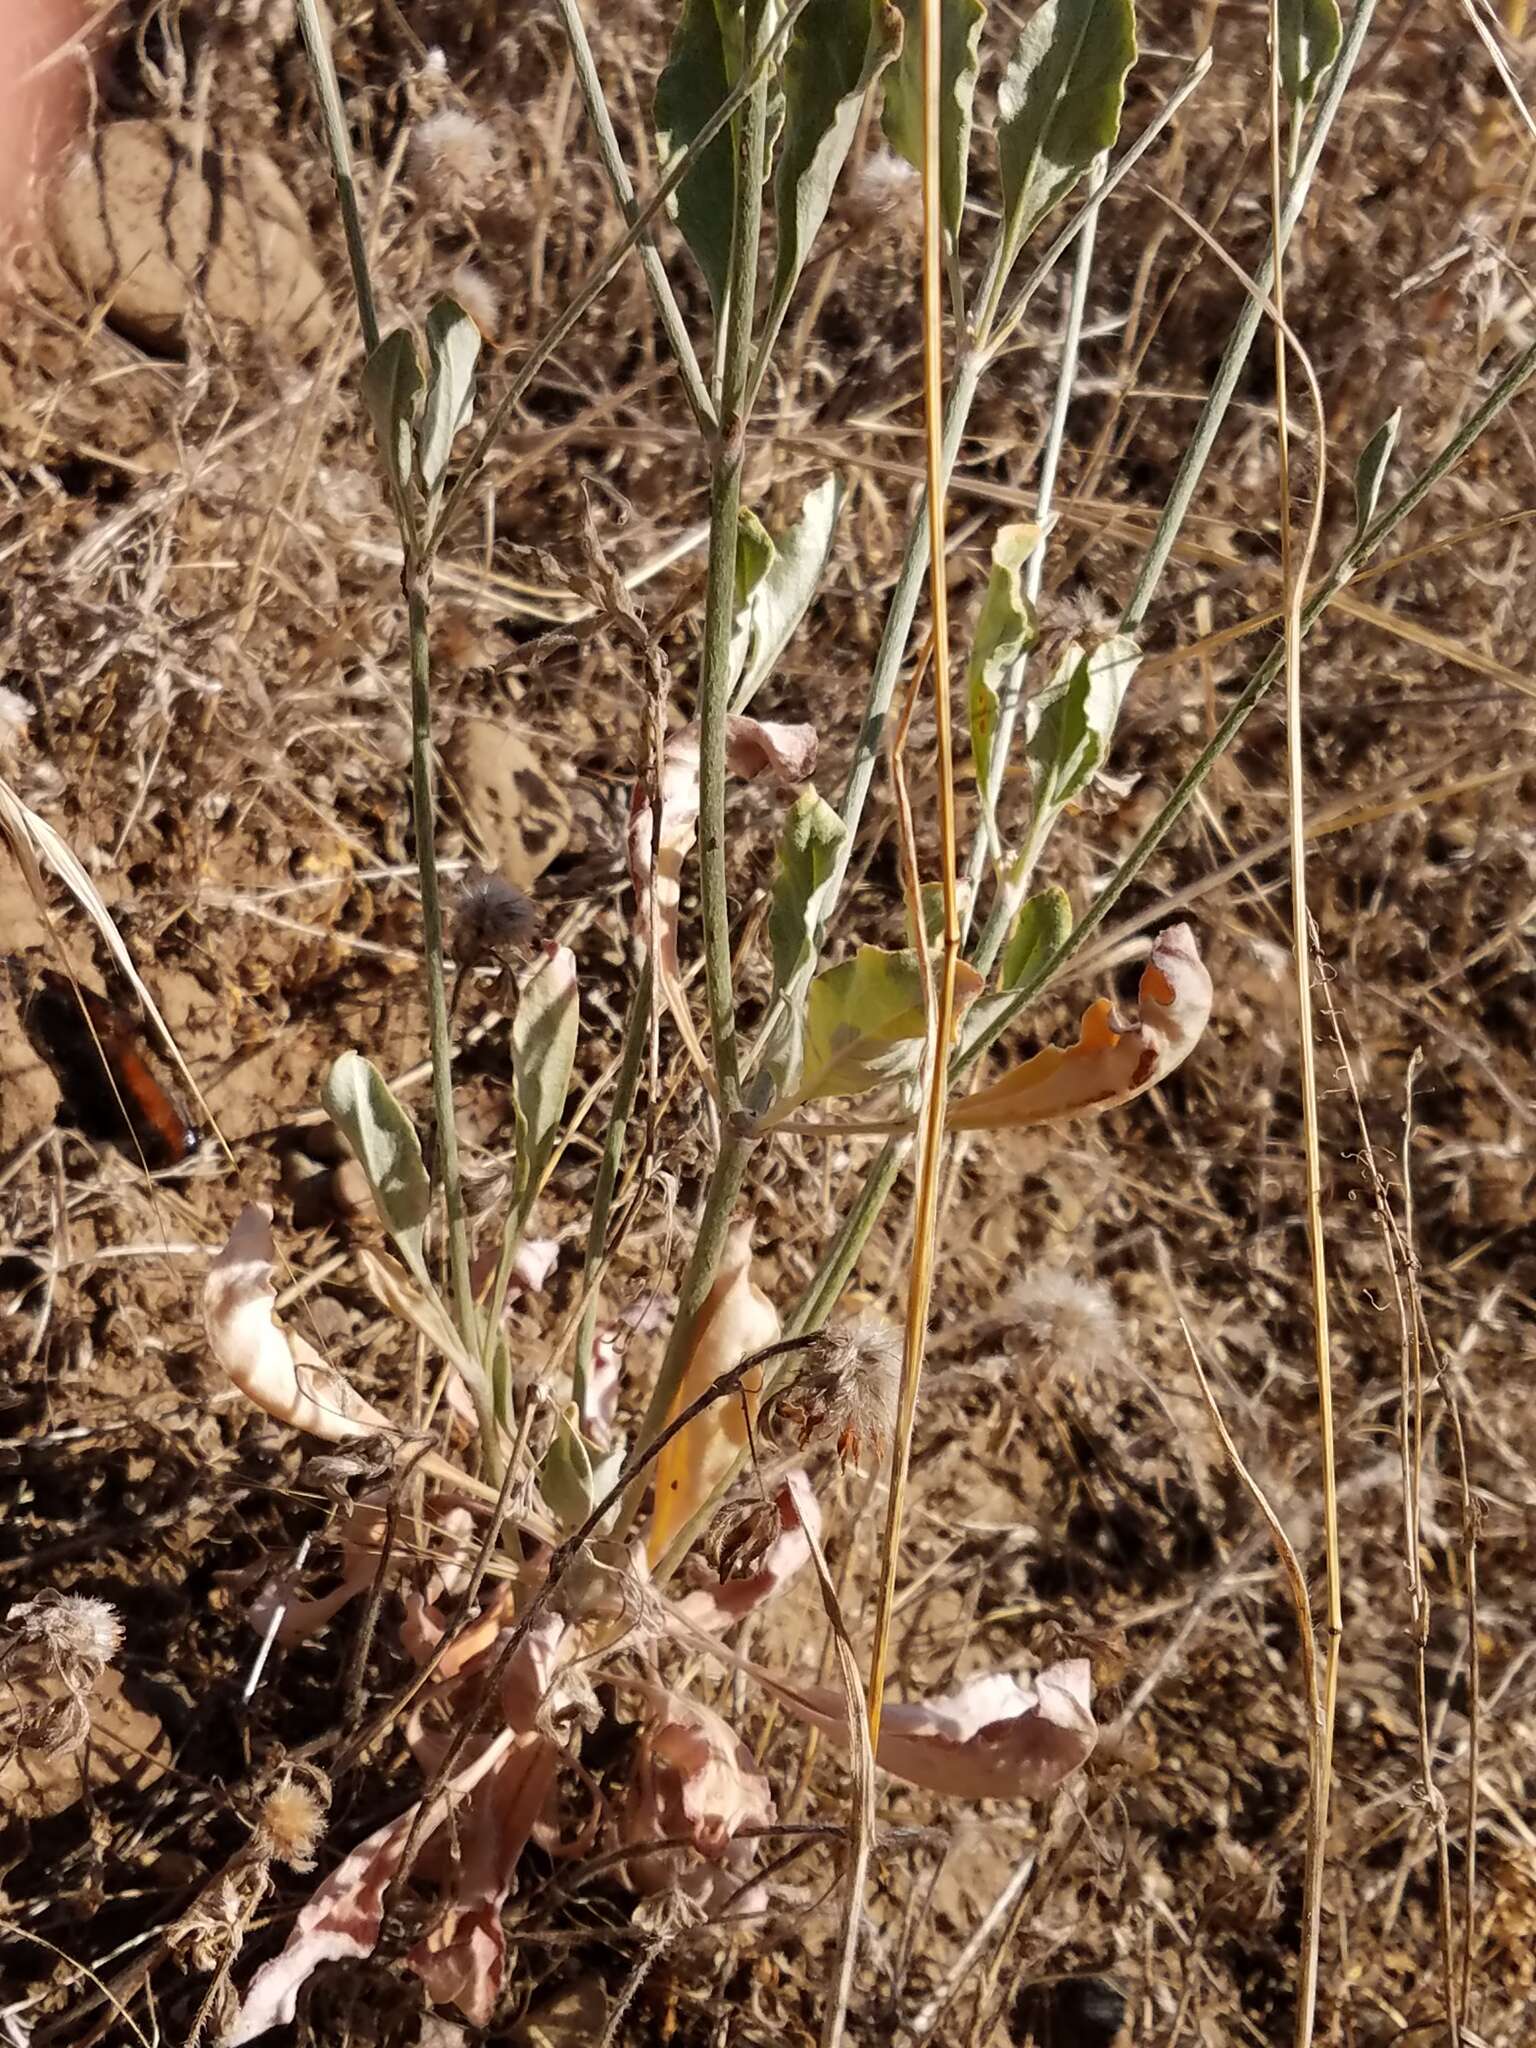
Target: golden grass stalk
{"type": "Point", "coordinates": [1294, 573]}
{"type": "Point", "coordinates": [941, 1018]}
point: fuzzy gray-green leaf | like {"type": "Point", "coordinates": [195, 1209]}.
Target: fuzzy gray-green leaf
{"type": "Point", "coordinates": [784, 590]}
{"type": "Point", "coordinates": [543, 1054]}
{"type": "Point", "coordinates": [960, 26]}
{"type": "Point", "coordinates": [813, 833]}
{"type": "Point", "coordinates": [1371, 470]}
{"type": "Point", "coordinates": [453, 347]}
{"type": "Point", "coordinates": [864, 1024]}
{"type": "Point", "coordinates": [1005, 626]}
{"type": "Point", "coordinates": [391, 388]}
{"type": "Point", "coordinates": [837, 51]}
{"type": "Point", "coordinates": [1069, 725]}
{"type": "Point", "coordinates": [358, 1101]}
{"type": "Point", "coordinates": [692, 88]}
{"type": "Point", "coordinates": [1310, 32]}
{"type": "Point", "coordinates": [1041, 927]}
{"type": "Point", "coordinates": [1058, 104]}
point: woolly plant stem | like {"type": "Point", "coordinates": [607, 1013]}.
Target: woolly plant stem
{"type": "Point", "coordinates": [625, 1088]}
{"type": "Point", "coordinates": [417, 585]}
{"type": "Point", "coordinates": [668, 312]}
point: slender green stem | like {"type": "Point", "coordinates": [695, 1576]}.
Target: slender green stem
{"type": "Point", "coordinates": [720, 594]}
{"type": "Point", "coordinates": [1008, 697]}
{"type": "Point", "coordinates": [575, 309]}
{"type": "Point", "coordinates": [663, 297]}
{"type": "Point", "coordinates": [1219, 398]}
{"type": "Point", "coordinates": [424, 809]}
{"type": "Point", "coordinates": [842, 1255]}
{"type": "Point", "coordinates": [898, 627]}
{"type": "Point", "coordinates": [625, 1087]}
{"type": "Point", "coordinates": [333, 120]}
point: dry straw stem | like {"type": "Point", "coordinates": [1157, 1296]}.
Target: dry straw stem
{"type": "Point", "coordinates": [1293, 574]}
{"type": "Point", "coordinates": [1411, 1454]}
{"type": "Point", "coordinates": [941, 1020]}
{"type": "Point", "coordinates": [861, 1798]}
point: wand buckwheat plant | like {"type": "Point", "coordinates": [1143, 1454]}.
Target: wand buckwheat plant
{"type": "Point", "coordinates": [574, 1569]}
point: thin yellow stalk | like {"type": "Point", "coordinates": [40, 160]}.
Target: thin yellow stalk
{"type": "Point", "coordinates": [1294, 579]}
{"type": "Point", "coordinates": [941, 1022]}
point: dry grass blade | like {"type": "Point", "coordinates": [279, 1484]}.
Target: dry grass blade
{"type": "Point", "coordinates": [1294, 574]}
{"type": "Point", "coordinates": [33, 840]}
{"type": "Point", "coordinates": [861, 1804]}
{"type": "Point", "coordinates": [1411, 1453]}
{"type": "Point", "coordinates": [1294, 571]}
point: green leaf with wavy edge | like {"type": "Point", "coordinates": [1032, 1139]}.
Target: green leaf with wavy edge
{"type": "Point", "coordinates": [837, 51]}
{"type": "Point", "coordinates": [693, 86]}
{"type": "Point", "coordinates": [782, 594]}
{"type": "Point", "coordinates": [1310, 32]}
{"type": "Point", "coordinates": [1058, 105]}
{"type": "Point", "coordinates": [1042, 925]}
{"type": "Point", "coordinates": [807, 864]}
{"type": "Point", "coordinates": [864, 1024]}
{"type": "Point", "coordinates": [391, 389]}
{"type": "Point", "coordinates": [358, 1101]}
{"type": "Point", "coordinates": [543, 1054]}
{"type": "Point", "coordinates": [1070, 724]}
{"type": "Point", "coordinates": [453, 348]}
{"type": "Point", "coordinates": [960, 26]}
{"type": "Point", "coordinates": [1005, 627]}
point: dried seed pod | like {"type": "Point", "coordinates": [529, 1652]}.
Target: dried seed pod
{"type": "Point", "coordinates": [845, 1391]}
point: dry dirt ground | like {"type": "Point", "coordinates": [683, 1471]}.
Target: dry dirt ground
{"type": "Point", "coordinates": [201, 613]}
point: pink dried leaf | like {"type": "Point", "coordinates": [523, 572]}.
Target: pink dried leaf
{"type": "Point", "coordinates": [282, 1374]}
{"type": "Point", "coordinates": [694, 1777]}
{"type": "Point", "coordinates": [995, 1738]}
{"type": "Point", "coordinates": [787, 752]}
{"type": "Point", "coordinates": [731, 1600]}
{"type": "Point", "coordinates": [462, 1959]}
{"type": "Point", "coordinates": [341, 1919]}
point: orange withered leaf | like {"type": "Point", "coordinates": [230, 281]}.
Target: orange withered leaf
{"type": "Point", "coordinates": [1114, 1059]}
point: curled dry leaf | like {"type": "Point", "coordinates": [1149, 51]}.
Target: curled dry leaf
{"type": "Point", "coordinates": [731, 1599]}
{"type": "Point", "coordinates": [787, 752]}
{"type": "Point", "coordinates": [994, 1738]}
{"type": "Point", "coordinates": [1113, 1060]}
{"type": "Point", "coordinates": [501, 1793]}
{"type": "Point", "coordinates": [282, 1374]}
{"type": "Point", "coordinates": [342, 1917]}
{"type": "Point", "coordinates": [462, 1959]}
{"type": "Point", "coordinates": [737, 1318]}
{"type": "Point", "coordinates": [694, 1777]}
